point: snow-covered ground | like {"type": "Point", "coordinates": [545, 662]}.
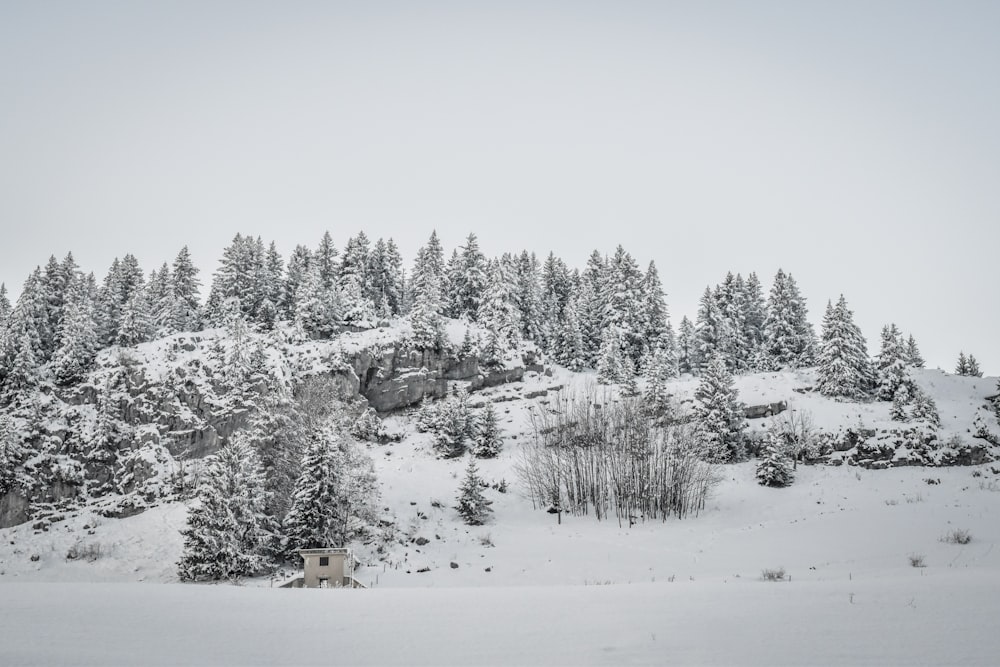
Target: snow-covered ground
{"type": "Point", "coordinates": [526, 590]}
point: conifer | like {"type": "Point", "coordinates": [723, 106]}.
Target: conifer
{"type": "Point", "coordinates": [473, 506]}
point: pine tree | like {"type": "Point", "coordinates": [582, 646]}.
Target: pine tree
{"type": "Point", "coordinates": [656, 304]}
{"type": "Point", "coordinates": [773, 469]}
{"type": "Point", "coordinates": [355, 307]}
{"type": "Point", "coordinates": [487, 441]}
{"type": "Point", "coordinates": [624, 309]}
{"type": "Point", "coordinates": [78, 336]}
{"type": "Point", "coordinates": [354, 268]}
{"type": "Point", "coordinates": [789, 338]}
{"type": "Point", "coordinates": [592, 306]}
{"type": "Point", "coordinates": [384, 279]}
{"type": "Point", "coordinates": [326, 262]}
{"type": "Point", "coordinates": [334, 497]}
{"type": "Point", "coordinates": [528, 297]}
{"type": "Point", "coordinates": [913, 356]}
{"type": "Point", "coordinates": [754, 316]}
{"type": "Point", "coordinates": [425, 315]}
{"type": "Point", "coordinates": [295, 275]}
{"type": "Point", "coordinates": [5, 307]}
{"type": "Point", "coordinates": [924, 408]}
{"type": "Point", "coordinates": [844, 368]}
{"type": "Point", "coordinates": [973, 370]}
{"type": "Point", "coordinates": [613, 365]}
{"type": "Point", "coordinates": [718, 413]}
{"type": "Point", "coordinates": [890, 365]}
{"type": "Point", "coordinates": [962, 368]}
{"type": "Point", "coordinates": [661, 369]}
{"type": "Point", "coordinates": [473, 506]}
{"type": "Point", "coordinates": [497, 311]}
{"type": "Point", "coordinates": [186, 285]}
{"type": "Point", "coordinates": [686, 347]}
{"type": "Point", "coordinates": [316, 309]}
{"type": "Point", "coordinates": [135, 324]}
{"type": "Point", "coordinates": [453, 426]}
{"type": "Point", "coordinates": [470, 280]}
{"type": "Point", "coordinates": [710, 333]}
{"type": "Point", "coordinates": [569, 340]}
{"type": "Point", "coordinates": [11, 453]}
{"type": "Point", "coordinates": [900, 400]}
{"type": "Point", "coordinates": [228, 532]}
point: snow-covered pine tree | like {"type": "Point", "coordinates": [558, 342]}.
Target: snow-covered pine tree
{"type": "Point", "coordinates": [962, 367]}
{"type": "Point", "coordinates": [78, 335]}
{"type": "Point", "coordinates": [925, 408]}
{"type": "Point", "coordinates": [334, 496]}
{"type": "Point", "coordinates": [11, 453]}
{"type": "Point", "coordinates": [656, 304]}
{"type": "Point", "coordinates": [21, 349]}
{"type": "Point", "coordinates": [470, 279]}
{"type": "Point", "coordinates": [487, 441]}
{"type": "Point", "coordinates": [754, 315]}
{"type": "Point", "coordinates": [730, 297]}
{"type": "Point", "coordinates": [900, 401]}
{"type": "Point", "coordinates": [528, 296]}
{"type": "Point", "coordinates": [473, 506]}
{"type": "Point", "coordinates": [497, 311]}
{"type": "Point", "coordinates": [186, 285]}
{"type": "Point", "coordinates": [316, 309]}
{"type": "Point", "coordinates": [453, 427]}
{"type": "Point", "coordinates": [718, 413]}
{"type": "Point", "coordinates": [135, 326]}
{"type": "Point", "coordinates": [327, 265]}
{"type": "Point", "coordinates": [661, 369]}
{"type": "Point", "coordinates": [592, 306]}
{"type": "Point", "coordinates": [5, 306]}
{"type": "Point", "coordinates": [844, 367]}
{"type": "Point", "coordinates": [973, 367]}
{"type": "Point", "coordinates": [774, 468]}
{"type": "Point", "coordinates": [913, 356]}
{"type": "Point", "coordinates": [355, 262]}
{"type": "Point", "coordinates": [228, 534]}
{"type": "Point", "coordinates": [710, 333]}
{"type": "Point", "coordinates": [384, 281]}
{"type": "Point", "coordinates": [569, 340]}
{"type": "Point", "coordinates": [789, 338]}
{"type": "Point", "coordinates": [890, 364]}
{"type": "Point", "coordinates": [356, 309]}
{"type": "Point", "coordinates": [613, 365]}
{"type": "Point", "coordinates": [425, 315]}
{"type": "Point", "coordinates": [295, 275]}
{"type": "Point", "coordinates": [622, 299]}
{"type": "Point", "coordinates": [686, 347]}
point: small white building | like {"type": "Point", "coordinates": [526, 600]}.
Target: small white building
{"type": "Point", "coordinates": [328, 568]}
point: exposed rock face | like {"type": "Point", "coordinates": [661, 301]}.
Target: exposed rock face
{"type": "Point", "coordinates": [14, 509]}
{"type": "Point", "coordinates": [766, 410]}
{"type": "Point", "coordinates": [395, 378]}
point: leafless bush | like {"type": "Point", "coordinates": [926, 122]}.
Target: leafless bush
{"type": "Point", "coordinates": [591, 453]}
{"type": "Point", "coordinates": [90, 552]}
{"type": "Point", "coordinates": [957, 536]}
{"type": "Point", "coordinates": [916, 560]}
{"type": "Point", "coordinates": [776, 574]}
{"type": "Point", "coordinates": [799, 438]}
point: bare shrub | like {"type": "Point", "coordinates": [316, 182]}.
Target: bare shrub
{"type": "Point", "coordinates": [796, 433]}
{"type": "Point", "coordinates": [90, 552]}
{"type": "Point", "coordinates": [593, 453]}
{"type": "Point", "coordinates": [957, 536]}
{"type": "Point", "coordinates": [916, 560]}
{"type": "Point", "coordinates": [775, 574]}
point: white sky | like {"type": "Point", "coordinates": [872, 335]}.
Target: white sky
{"type": "Point", "coordinates": [855, 144]}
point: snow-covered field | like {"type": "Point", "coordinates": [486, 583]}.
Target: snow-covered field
{"type": "Point", "coordinates": [526, 590]}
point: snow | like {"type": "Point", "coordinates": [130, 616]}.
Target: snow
{"type": "Point", "coordinates": [528, 590]}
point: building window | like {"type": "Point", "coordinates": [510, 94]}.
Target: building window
{"type": "Point", "coordinates": [324, 561]}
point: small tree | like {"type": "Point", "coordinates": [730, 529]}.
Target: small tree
{"type": "Point", "coordinates": [487, 442]}
{"type": "Point", "coordinates": [473, 506]}
{"type": "Point", "coordinates": [774, 468]}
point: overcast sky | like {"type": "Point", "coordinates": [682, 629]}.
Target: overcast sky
{"type": "Point", "coordinates": [854, 144]}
